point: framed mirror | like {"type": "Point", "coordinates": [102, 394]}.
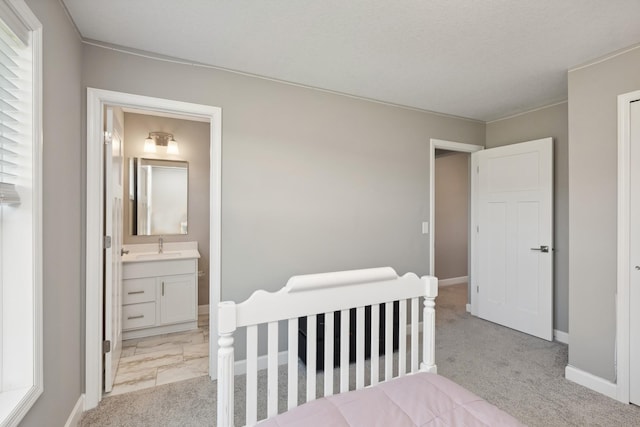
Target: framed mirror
{"type": "Point", "coordinates": [158, 196]}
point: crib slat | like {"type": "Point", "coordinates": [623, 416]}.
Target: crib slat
{"type": "Point", "coordinates": [402, 338]}
{"type": "Point", "coordinates": [375, 344]}
{"type": "Point", "coordinates": [272, 369]}
{"type": "Point", "coordinates": [359, 348]}
{"type": "Point", "coordinates": [252, 375]}
{"type": "Point", "coordinates": [292, 365]}
{"type": "Point", "coordinates": [388, 341]}
{"type": "Point", "coordinates": [344, 351]}
{"type": "Point", "coordinates": [415, 350]}
{"type": "Point", "coordinates": [311, 357]}
{"type": "Point", "coordinates": [328, 354]}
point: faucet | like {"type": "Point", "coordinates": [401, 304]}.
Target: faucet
{"type": "Point", "coordinates": [160, 245]}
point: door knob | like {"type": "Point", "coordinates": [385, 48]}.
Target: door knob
{"type": "Point", "coordinates": [637, 267]}
{"type": "Point", "coordinates": [541, 248]}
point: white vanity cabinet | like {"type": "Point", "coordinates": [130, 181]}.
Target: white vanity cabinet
{"type": "Point", "coordinates": [159, 296]}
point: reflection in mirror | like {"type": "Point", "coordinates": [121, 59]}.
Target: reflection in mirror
{"type": "Point", "coordinates": [158, 196]}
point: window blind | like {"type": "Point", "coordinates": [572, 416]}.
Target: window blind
{"type": "Point", "coordinates": [14, 82]}
{"type": "Point", "coordinates": [16, 196]}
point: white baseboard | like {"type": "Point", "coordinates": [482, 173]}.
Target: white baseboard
{"type": "Point", "coordinates": [562, 337]}
{"type": "Point", "coordinates": [240, 366]}
{"type": "Point", "coordinates": [453, 281]}
{"type": "Point", "coordinates": [76, 413]}
{"type": "Point", "coordinates": [203, 309]}
{"type": "Point", "coordinates": [590, 381]}
{"type": "Point", "coordinates": [468, 308]}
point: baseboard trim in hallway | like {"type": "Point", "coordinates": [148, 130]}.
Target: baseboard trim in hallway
{"type": "Point", "coordinates": [560, 336]}
{"type": "Point", "coordinates": [453, 281]}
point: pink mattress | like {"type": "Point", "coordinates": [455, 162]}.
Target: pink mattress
{"type": "Point", "coordinates": [415, 400]}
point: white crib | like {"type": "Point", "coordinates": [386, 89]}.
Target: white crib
{"type": "Point", "coordinates": [314, 294]}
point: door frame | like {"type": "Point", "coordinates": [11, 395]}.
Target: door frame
{"type": "Point", "coordinates": [96, 100]}
{"type": "Point", "coordinates": [461, 148]}
{"type": "Point", "coordinates": [623, 329]}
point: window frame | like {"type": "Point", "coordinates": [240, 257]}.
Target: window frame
{"type": "Point", "coordinates": [15, 404]}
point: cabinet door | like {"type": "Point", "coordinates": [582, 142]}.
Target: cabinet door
{"type": "Point", "coordinates": [178, 299]}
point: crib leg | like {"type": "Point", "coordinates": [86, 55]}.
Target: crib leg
{"type": "Point", "coordinates": [429, 327]}
{"type": "Point", "coordinates": [225, 380]}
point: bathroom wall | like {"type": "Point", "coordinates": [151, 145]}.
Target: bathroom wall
{"type": "Point", "coordinates": [193, 139]}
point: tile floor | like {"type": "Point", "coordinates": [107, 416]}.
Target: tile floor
{"type": "Point", "coordinates": [148, 362]}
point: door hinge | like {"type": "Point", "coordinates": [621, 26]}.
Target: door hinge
{"type": "Point", "coordinates": [477, 228]}
{"type": "Point", "coordinates": [106, 346]}
{"type": "Point", "coordinates": [477, 169]}
{"type": "Point", "coordinates": [106, 243]}
{"type": "Point", "coordinates": [477, 288]}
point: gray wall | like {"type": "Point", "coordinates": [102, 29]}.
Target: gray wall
{"type": "Point", "coordinates": [593, 92]}
{"type": "Point", "coordinates": [193, 139]}
{"type": "Point", "coordinates": [311, 181]}
{"type": "Point", "coordinates": [550, 121]}
{"type": "Point", "coordinates": [62, 223]}
{"type": "Point", "coordinates": [451, 215]}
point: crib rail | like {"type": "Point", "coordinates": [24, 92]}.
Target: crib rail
{"type": "Point", "coordinates": [325, 294]}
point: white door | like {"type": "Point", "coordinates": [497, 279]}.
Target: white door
{"type": "Point", "coordinates": [514, 236]}
{"type": "Point", "coordinates": [634, 256]}
{"type": "Point", "coordinates": [113, 193]}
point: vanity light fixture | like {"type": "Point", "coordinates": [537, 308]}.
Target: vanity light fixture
{"type": "Point", "coordinates": [163, 139]}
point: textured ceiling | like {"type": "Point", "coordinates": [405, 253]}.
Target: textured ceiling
{"type": "Point", "coordinates": [481, 59]}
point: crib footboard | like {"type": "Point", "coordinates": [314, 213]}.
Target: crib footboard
{"type": "Point", "coordinates": [326, 294]}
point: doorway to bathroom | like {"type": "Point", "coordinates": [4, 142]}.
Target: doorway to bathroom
{"type": "Point", "coordinates": [157, 271]}
{"type": "Point", "coordinates": [152, 293]}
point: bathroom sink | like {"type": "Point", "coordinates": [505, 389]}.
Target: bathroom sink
{"type": "Point", "coordinates": [163, 255]}
{"type": "Point", "coordinates": [149, 252]}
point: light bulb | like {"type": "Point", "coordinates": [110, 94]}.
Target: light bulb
{"type": "Point", "coordinates": [172, 147]}
{"type": "Point", "coordinates": [149, 145]}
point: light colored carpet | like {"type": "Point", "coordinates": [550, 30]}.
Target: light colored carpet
{"type": "Point", "coordinates": [518, 373]}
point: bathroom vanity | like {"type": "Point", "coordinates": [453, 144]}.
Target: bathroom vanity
{"type": "Point", "coordinates": [160, 289]}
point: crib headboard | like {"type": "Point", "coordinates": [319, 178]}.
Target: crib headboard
{"type": "Point", "coordinates": [327, 293]}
